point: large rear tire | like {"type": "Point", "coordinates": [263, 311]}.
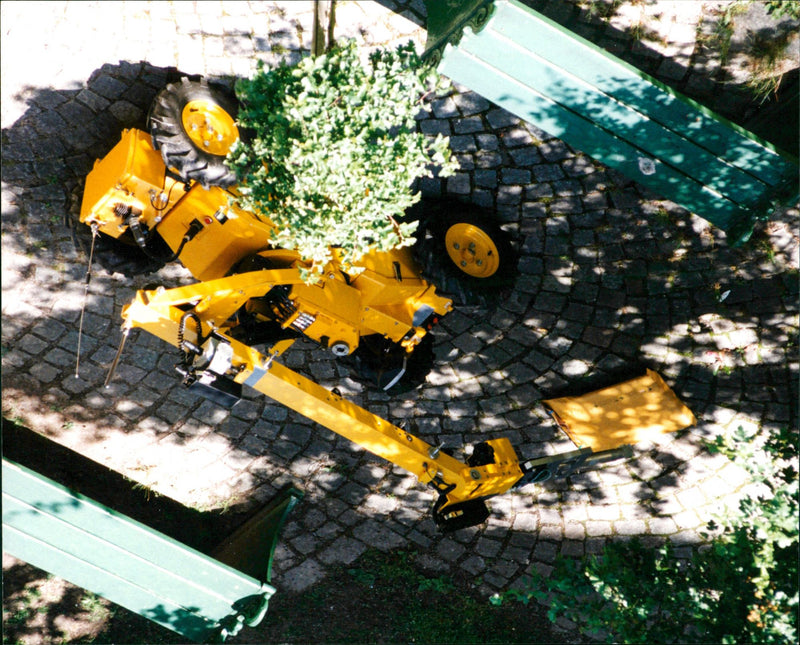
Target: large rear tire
{"type": "Point", "coordinates": [463, 252]}
{"type": "Point", "coordinates": [193, 125]}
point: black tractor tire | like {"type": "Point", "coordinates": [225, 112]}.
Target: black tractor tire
{"type": "Point", "coordinates": [114, 255]}
{"type": "Point", "coordinates": [485, 281]}
{"type": "Point", "coordinates": [377, 360]}
{"type": "Point", "coordinates": [177, 139]}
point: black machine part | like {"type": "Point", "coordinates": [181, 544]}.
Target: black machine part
{"type": "Point", "coordinates": [460, 515]}
{"type": "Point", "coordinates": [203, 371]}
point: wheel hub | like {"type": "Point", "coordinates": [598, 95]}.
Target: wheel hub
{"type": "Point", "coordinates": [472, 250]}
{"type": "Point", "coordinates": [209, 127]}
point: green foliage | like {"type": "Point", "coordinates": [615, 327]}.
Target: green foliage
{"type": "Point", "coordinates": [778, 8]}
{"type": "Point", "coordinates": [740, 587]}
{"type": "Point", "coordinates": [398, 569]}
{"type": "Point", "coordinates": [333, 150]}
{"type": "Point", "coordinates": [386, 597]}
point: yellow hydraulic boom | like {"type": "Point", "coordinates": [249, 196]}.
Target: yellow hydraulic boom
{"type": "Point", "coordinates": [219, 365]}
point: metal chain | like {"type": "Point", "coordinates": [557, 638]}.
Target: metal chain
{"type": "Point", "coordinates": [85, 298]}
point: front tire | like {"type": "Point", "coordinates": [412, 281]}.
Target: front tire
{"type": "Point", "coordinates": [463, 252]}
{"type": "Point", "coordinates": [193, 125]}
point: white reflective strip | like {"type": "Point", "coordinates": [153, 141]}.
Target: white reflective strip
{"type": "Point", "coordinates": [255, 377]}
{"type": "Point", "coordinates": [398, 377]}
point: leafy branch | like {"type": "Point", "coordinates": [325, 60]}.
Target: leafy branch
{"type": "Point", "coordinates": [333, 150]}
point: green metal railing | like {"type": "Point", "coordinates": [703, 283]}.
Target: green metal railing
{"type": "Point", "coordinates": [600, 105]}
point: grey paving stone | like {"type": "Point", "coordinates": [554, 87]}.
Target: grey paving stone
{"type": "Point", "coordinates": [488, 159]}
{"type": "Point", "coordinates": [509, 194]}
{"type": "Point", "coordinates": [444, 108]}
{"type": "Point", "coordinates": [487, 141]}
{"type": "Point", "coordinates": [377, 535]}
{"type": "Point", "coordinates": [344, 550]}
{"type": "Point", "coordinates": [303, 576]}
{"type": "Point", "coordinates": [45, 373]}
{"type": "Point", "coordinates": [435, 126]}
{"type": "Point", "coordinates": [488, 548]}
{"type": "Point", "coordinates": [468, 125]}
{"type": "Point", "coordinates": [458, 184]}
{"type": "Point", "coordinates": [31, 345]}
{"type": "Point", "coordinates": [486, 178]}
{"type": "Point", "coordinates": [483, 198]}
{"type": "Point", "coordinates": [546, 552]}
{"type": "Point", "coordinates": [500, 118]}
{"type": "Point", "coordinates": [463, 143]}
{"type": "Point", "coordinates": [517, 137]}
{"type": "Point", "coordinates": [474, 565]}
{"type": "Point", "coordinates": [470, 103]}
{"type": "Point", "coordinates": [515, 176]}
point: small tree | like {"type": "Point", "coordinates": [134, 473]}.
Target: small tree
{"type": "Point", "coordinates": [333, 150]}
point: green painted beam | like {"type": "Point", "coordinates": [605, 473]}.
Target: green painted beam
{"type": "Point", "coordinates": [628, 89]}
{"type": "Point", "coordinates": [600, 105]}
{"type": "Point", "coordinates": [251, 547]}
{"type": "Point", "coordinates": [108, 553]}
{"type": "Point", "coordinates": [603, 145]}
{"type": "Point", "coordinates": [634, 125]}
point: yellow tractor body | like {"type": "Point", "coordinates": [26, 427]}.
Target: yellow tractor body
{"type": "Point", "coordinates": [385, 295]}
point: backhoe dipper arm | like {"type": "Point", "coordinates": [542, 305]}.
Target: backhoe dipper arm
{"type": "Point", "coordinates": [461, 486]}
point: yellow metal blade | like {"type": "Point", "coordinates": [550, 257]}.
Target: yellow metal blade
{"type": "Point", "coordinates": [626, 413]}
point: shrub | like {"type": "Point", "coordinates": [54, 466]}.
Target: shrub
{"type": "Point", "coordinates": [741, 587]}
{"type": "Point", "coordinates": [333, 150]}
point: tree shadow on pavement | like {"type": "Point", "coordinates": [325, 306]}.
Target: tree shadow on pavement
{"type": "Point", "coordinates": [580, 270]}
{"type": "Point", "coordinates": [613, 280]}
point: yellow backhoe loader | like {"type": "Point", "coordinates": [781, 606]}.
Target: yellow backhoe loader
{"type": "Point", "coordinates": [165, 195]}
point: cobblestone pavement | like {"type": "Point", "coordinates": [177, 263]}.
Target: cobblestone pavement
{"type": "Point", "coordinates": [612, 279]}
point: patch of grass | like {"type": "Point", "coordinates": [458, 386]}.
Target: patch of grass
{"type": "Point", "coordinates": [640, 32]}
{"type": "Point", "coordinates": [603, 9]}
{"type": "Point", "coordinates": [148, 491]}
{"type": "Point", "coordinates": [15, 418]}
{"type": "Point", "coordinates": [25, 610]}
{"type": "Point", "coordinates": [724, 27]}
{"type": "Point", "coordinates": [388, 598]}
{"type": "Point", "coordinates": [95, 606]}
{"type": "Point", "coordinates": [765, 54]}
